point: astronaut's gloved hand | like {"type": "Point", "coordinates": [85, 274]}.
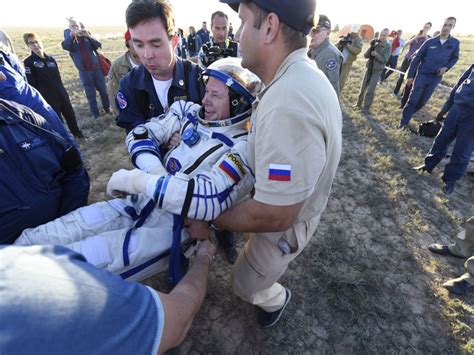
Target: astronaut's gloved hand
{"type": "Point", "coordinates": [128, 181]}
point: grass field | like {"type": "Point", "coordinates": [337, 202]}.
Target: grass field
{"type": "Point", "coordinates": [366, 283]}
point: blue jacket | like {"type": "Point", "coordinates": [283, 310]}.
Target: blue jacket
{"type": "Point", "coordinates": [463, 93]}
{"type": "Point", "coordinates": [72, 46]}
{"type": "Point", "coordinates": [137, 100]}
{"type": "Point", "coordinates": [17, 89]}
{"type": "Point", "coordinates": [36, 186]}
{"type": "Point", "coordinates": [205, 35]}
{"type": "Point", "coordinates": [432, 56]}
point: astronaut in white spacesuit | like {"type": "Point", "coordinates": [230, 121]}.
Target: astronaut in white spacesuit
{"type": "Point", "coordinates": [200, 178]}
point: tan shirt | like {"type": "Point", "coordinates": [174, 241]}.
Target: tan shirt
{"type": "Point", "coordinates": [294, 144]}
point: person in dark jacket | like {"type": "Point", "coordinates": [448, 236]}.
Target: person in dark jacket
{"type": "Point", "coordinates": [42, 73]}
{"type": "Point", "coordinates": [459, 126]}
{"type": "Point", "coordinates": [163, 78]}
{"type": "Point", "coordinates": [83, 50]}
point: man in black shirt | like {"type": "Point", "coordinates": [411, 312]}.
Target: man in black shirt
{"type": "Point", "coordinates": [42, 72]}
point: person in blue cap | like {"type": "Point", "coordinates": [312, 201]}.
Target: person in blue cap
{"type": "Point", "coordinates": [162, 78]}
{"type": "Point", "coordinates": [459, 126]}
{"type": "Point", "coordinates": [293, 149]}
{"type": "Point", "coordinates": [434, 58]}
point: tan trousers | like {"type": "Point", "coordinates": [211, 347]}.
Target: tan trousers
{"type": "Point", "coordinates": [261, 263]}
{"type": "Point", "coordinates": [346, 68]}
{"type": "Point", "coordinates": [367, 90]}
{"type": "Point", "coordinates": [464, 246]}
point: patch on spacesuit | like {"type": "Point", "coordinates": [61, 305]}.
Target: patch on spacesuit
{"type": "Point", "coordinates": [121, 100]}
{"type": "Point", "coordinates": [173, 165]}
{"type": "Point", "coordinates": [27, 70]}
{"type": "Point", "coordinates": [38, 64]}
{"type": "Point", "coordinates": [31, 143]}
{"type": "Point", "coordinates": [331, 64]}
{"type": "Point", "coordinates": [233, 167]}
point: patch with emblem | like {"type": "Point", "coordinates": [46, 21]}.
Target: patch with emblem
{"type": "Point", "coordinates": [30, 144]}
{"type": "Point", "coordinates": [173, 166]}
{"type": "Point", "coordinates": [331, 64]}
{"type": "Point", "coordinates": [38, 64]}
{"type": "Point", "coordinates": [233, 167]}
{"type": "Point", "coordinates": [279, 172]}
{"type": "Point", "coordinates": [121, 100]}
{"type": "Point", "coordinates": [178, 98]}
{"type": "Point", "coordinates": [51, 64]}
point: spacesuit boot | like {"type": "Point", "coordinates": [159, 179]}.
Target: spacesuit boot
{"type": "Point", "coordinates": [226, 240]}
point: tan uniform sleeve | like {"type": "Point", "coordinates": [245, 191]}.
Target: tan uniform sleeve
{"type": "Point", "coordinates": [288, 141]}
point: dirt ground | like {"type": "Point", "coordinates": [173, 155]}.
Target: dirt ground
{"type": "Point", "coordinates": [366, 283]}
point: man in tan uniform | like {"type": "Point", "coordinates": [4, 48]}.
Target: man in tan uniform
{"type": "Point", "coordinates": [350, 51]}
{"type": "Point", "coordinates": [378, 54]}
{"type": "Point", "coordinates": [293, 149]}
{"type": "Point", "coordinates": [325, 54]}
{"type": "Point", "coordinates": [463, 247]}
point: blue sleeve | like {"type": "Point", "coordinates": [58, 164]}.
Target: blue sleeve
{"type": "Point", "coordinates": [75, 191]}
{"type": "Point", "coordinates": [62, 304]}
{"type": "Point", "coordinates": [67, 44]}
{"type": "Point", "coordinates": [198, 42]}
{"type": "Point", "coordinates": [450, 101]}
{"type": "Point", "coordinates": [454, 56]}
{"type": "Point", "coordinates": [415, 62]}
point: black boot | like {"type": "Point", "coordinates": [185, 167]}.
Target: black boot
{"type": "Point", "coordinates": [226, 240]}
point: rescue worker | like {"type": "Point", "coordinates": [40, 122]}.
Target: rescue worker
{"type": "Point", "coordinates": [42, 72]}
{"type": "Point", "coordinates": [200, 178]}
{"type": "Point", "coordinates": [350, 49]}
{"type": "Point", "coordinates": [463, 247]}
{"type": "Point", "coordinates": [41, 177]}
{"type": "Point", "coordinates": [163, 78]}
{"type": "Point", "coordinates": [121, 66]}
{"type": "Point", "coordinates": [15, 87]}
{"type": "Point", "coordinates": [378, 54]}
{"type": "Point", "coordinates": [82, 48]}
{"type": "Point", "coordinates": [194, 43]}
{"type": "Point", "coordinates": [204, 33]}
{"type": "Point", "coordinates": [459, 126]}
{"type": "Point", "coordinates": [324, 53]}
{"type": "Point", "coordinates": [434, 58]}
{"type": "Point", "coordinates": [219, 45]}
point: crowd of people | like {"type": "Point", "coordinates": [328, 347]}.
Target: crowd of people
{"type": "Point", "coordinates": [204, 117]}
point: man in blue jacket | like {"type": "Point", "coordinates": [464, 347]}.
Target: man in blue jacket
{"type": "Point", "coordinates": [434, 58]}
{"type": "Point", "coordinates": [459, 125]}
{"type": "Point", "coordinates": [42, 176]}
{"type": "Point", "coordinates": [82, 47]}
{"type": "Point", "coordinates": [163, 78]}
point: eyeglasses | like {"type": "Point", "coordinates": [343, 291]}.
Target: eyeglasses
{"type": "Point", "coordinates": [30, 43]}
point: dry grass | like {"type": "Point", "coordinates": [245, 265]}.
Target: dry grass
{"type": "Point", "coordinates": [366, 283]}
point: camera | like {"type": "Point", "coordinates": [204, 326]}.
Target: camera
{"type": "Point", "coordinates": [344, 41]}
{"type": "Point", "coordinates": [211, 54]}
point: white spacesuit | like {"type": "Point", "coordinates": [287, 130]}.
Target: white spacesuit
{"type": "Point", "coordinates": [205, 175]}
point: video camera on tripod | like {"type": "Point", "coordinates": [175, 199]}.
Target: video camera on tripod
{"type": "Point", "coordinates": [211, 54]}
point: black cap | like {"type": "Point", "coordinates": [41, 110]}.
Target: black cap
{"type": "Point", "coordinates": [298, 14]}
{"type": "Point", "coordinates": [324, 22]}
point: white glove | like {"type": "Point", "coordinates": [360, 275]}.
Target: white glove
{"type": "Point", "coordinates": [129, 181]}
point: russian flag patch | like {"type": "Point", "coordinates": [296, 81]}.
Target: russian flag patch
{"type": "Point", "coordinates": [279, 172]}
{"type": "Point", "coordinates": [230, 170]}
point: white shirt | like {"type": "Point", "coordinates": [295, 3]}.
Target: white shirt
{"type": "Point", "coordinates": [162, 88]}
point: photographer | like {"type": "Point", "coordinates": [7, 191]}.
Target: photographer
{"type": "Point", "coordinates": [82, 48]}
{"type": "Point", "coordinates": [325, 54]}
{"type": "Point", "coordinates": [219, 46]}
{"type": "Point", "coordinates": [378, 54]}
{"type": "Point", "coordinates": [350, 47]}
